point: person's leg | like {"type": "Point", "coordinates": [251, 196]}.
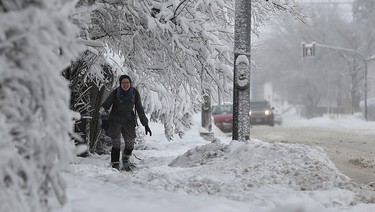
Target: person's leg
{"type": "Point", "coordinates": [114, 132]}
{"type": "Point", "coordinates": [128, 149]}
{"type": "Point", "coordinates": [115, 152]}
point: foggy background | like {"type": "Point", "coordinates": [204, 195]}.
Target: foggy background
{"type": "Point", "coordinates": [330, 82]}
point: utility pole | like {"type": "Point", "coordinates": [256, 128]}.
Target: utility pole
{"type": "Point", "coordinates": [307, 48]}
{"type": "Point", "coordinates": [241, 82]}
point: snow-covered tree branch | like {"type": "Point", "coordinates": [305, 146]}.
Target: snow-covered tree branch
{"type": "Point", "coordinates": [168, 45]}
{"type": "Point", "coordinates": [36, 43]}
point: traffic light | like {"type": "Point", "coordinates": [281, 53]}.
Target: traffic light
{"type": "Point", "coordinates": [308, 49]}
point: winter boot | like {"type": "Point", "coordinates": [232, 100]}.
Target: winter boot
{"type": "Point", "coordinates": [115, 158]}
{"type": "Point", "coordinates": [126, 164]}
{"type": "Point", "coordinates": [115, 165]}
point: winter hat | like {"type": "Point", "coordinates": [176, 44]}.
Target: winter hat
{"type": "Point", "coordinates": [123, 77]}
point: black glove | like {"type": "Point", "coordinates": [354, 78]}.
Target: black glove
{"type": "Point", "coordinates": [104, 124]}
{"type": "Point", "coordinates": [148, 130]}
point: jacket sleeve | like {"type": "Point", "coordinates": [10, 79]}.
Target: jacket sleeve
{"type": "Point", "coordinates": [139, 109]}
{"type": "Point", "coordinates": [109, 101]}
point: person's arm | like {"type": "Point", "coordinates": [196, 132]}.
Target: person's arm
{"type": "Point", "coordinates": [108, 101]}
{"type": "Point", "coordinates": [139, 109]}
{"type": "Point", "coordinates": [103, 111]}
{"type": "Point", "coordinates": [141, 112]}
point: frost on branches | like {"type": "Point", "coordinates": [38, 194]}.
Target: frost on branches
{"type": "Point", "coordinates": [167, 46]}
{"type": "Point", "coordinates": [175, 50]}
{"type": "Point", "coordinates": [36, 42]}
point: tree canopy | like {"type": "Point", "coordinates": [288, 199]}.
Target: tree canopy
{"type": "Point", "coordinates": [174, 50]}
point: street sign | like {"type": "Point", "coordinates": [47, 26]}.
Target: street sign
{"type": "Point", "coordinates": [308, 50]}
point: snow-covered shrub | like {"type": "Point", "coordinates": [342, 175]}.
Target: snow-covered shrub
{"type": "Point", "coordinates": [36, 42]}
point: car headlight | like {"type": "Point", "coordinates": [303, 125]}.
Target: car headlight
{"type": "Point", "coordinates": [267, 112]}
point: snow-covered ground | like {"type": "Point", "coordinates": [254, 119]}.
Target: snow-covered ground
{"type": "Point", "coordinates": [329, 121]}
{"type": "Point", "coordinates": [191, 174]}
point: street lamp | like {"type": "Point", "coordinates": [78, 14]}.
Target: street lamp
{"type": "Point", "coordinates": [312, 49]}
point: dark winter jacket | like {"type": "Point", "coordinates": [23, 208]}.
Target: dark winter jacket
{"type": "Point", "coordinates": [122, 112]}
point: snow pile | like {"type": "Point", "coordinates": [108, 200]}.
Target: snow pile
{"type": "Point", "coordinates": [258, 163]}
{"type": "Point", "coordinates": [191, 174]}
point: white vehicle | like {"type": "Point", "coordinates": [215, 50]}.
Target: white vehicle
{"type": "Point", "coordinates": [278, 118]}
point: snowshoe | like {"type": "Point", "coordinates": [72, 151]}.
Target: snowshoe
{"type": "Point", "coordinates": [127, 165]}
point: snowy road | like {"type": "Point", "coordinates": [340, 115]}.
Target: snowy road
{"type": "Point", "coordinates": [351, 150]}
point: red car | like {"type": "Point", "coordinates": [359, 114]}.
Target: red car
{"type": "Point", "coordinates": [223, 117]}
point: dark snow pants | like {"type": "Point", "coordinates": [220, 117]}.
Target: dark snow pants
{"type": "Point", "coordinates": [114, 132]}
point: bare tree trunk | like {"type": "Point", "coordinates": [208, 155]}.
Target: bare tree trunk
{"type": "Point", "coordinates": [97, 94]}
{"type": "Point", "coordinates": [79, 99]}
{"type": "Point", "coordinates": [86, 98]}
{"type": "Point", "coordinates": [354, 71]}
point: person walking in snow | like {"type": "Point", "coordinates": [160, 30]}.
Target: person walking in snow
{"type": "Point", "coordinates": [125, 102]}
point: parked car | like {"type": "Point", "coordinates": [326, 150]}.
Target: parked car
{"type": "Point", "coordinates": [223, 117]}
{"type": "Point", "coordinates": [278, 118]}
{"type": "Point", "coordinates": [261, 113]}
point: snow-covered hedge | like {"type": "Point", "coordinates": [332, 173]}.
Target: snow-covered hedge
{"type": "Point", "coordinates": [36, 42]}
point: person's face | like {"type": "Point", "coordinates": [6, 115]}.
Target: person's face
{"type": "Point", "coordinates": [125, 84]}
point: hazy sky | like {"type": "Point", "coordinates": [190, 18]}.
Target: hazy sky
{"type": "Point", "coordinates": [330, 1]}
{"type": "Point", "coordinates": [344, 5]}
